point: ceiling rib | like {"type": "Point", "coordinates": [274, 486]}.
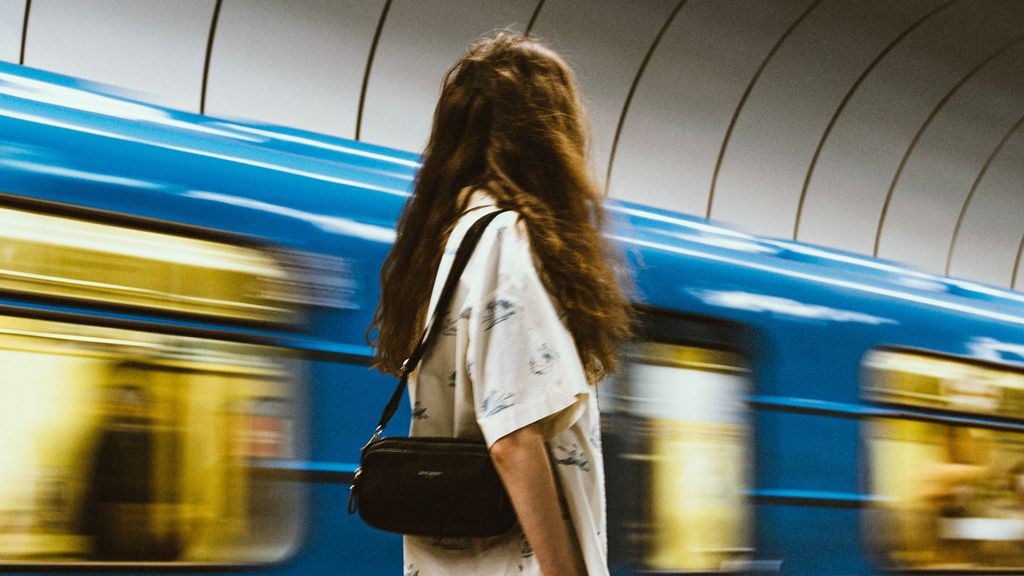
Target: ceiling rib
{"type": "Point", "coordinates": [633, 87]}
{"type": "Point", "coordinates": [24, 31]}
{"type": "Point", "coordinates": [1016, 264]}
{"type": "Point", "coordinates": [533, 17]}
{"type": "Point", "coordinates": [209, 53]}
{"type": "Point", "coordinates": [369, 67]}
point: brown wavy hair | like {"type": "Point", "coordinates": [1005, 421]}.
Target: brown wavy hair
{"type": "Point", "coordinates": [509, 120]}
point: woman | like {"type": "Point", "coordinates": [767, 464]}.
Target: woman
{"type": "Point", "coordinates": [535, 319]}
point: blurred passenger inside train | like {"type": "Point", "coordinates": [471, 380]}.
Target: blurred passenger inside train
{"type": "Point", "coordinates": [955, 492]}
{"type": "Point", "coordinates": [963, 508]}
{"type": "Point", "coordinates": [126, 511]}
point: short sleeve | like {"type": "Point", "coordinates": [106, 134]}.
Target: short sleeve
{"type": "Point", "coordinates": [521, 360]}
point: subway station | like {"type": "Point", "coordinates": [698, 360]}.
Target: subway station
{"type": "Point", "coordinates": [705, 287]}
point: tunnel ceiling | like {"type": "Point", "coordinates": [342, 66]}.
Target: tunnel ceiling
{"type": "Point", "coordinates": [884, 128]}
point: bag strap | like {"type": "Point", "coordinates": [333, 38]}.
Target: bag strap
{"type": "Point", "coordinates": [466, 247]}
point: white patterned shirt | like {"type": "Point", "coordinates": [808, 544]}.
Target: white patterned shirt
{"type": "Point", "coordinates": [504, 360]}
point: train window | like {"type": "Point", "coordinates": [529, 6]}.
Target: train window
{"type": "Point", "coordinates": [130, 447]}
{"type": "Point", "coordinates": [948, 482]}
{"type": "Point", "coordinates": [677, 447]}
{"type": "Point", "coordinates": [45, 255]}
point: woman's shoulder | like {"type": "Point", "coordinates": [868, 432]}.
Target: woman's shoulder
{"type": "Point", "coordinates": [506, 237]}
{"type": "Point", "coordinates": [509, 226]}
{"type": "Point", "coordinates": [506, 228]}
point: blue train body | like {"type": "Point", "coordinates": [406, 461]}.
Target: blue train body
{"type": "Point", "coordinates": [806, 316]}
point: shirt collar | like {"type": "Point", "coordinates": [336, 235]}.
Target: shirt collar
{"type": "Point", "coordinates": [479, 198]}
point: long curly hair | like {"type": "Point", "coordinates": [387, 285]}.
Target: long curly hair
{"type": "Point", "coordinates": [509, 120]}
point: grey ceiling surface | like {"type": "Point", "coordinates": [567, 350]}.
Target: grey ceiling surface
{"type": "Point", "coordinates": [419, 41]}
{"type": "Point", "coordinates": [11, 24]}
{"type": "Point", "coordinates": [674, 128]}
{"type": "Point", "coordinates": [932, 188]}
{"type": "Point", "coordinates": [987, 248]}
{"type": "Point", "coordinates": [605, 42]}
{"type": "Point", "coordinates": [301, 68]}
{"type": "Point", "coordinates": [153, 47]}
{"type": "Point", "coordinates": [862, 156]}
{"type": "Point", "coordinates": [889, 128]}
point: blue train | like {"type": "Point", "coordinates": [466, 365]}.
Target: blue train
{"type": "Point", "coordinates": [183, 303]}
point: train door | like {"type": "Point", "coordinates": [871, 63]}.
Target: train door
{"type": "Point", "coordinates": [678, 444]}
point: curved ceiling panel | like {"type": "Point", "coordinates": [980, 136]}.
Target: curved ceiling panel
{"type": "Point", "coordinates": [678, 116]}
{"type": "Point", "coordinates": [862, 154]}
{"type": "Point", "coordinates": [605, 43]}
{"type": "Point", "coordinates": [299, 65]}
{"type": "Point", "coordinates": [154, 47]}
{"type": "Point", "coordinates": [765, 161]}
{"type": "Point", "coordinates": [418, 43]}
{"type": "Point", "coordinates": [953, 148]}
{"type": "Point", "coordinates": [986, 248]}
{"type": "Point", "coordinates": [12, 18]}
{"type": "Point", "coordinates": [884, 127]}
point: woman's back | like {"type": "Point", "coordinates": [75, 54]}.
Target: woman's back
{"type": "Point", "coordinates": [503, 360]}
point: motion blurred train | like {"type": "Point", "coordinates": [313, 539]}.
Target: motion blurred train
{"type": "Point", "coordinates": [183, 303]}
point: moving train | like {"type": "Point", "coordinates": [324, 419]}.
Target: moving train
{"type": "Point", "coordinates": [183, 306]}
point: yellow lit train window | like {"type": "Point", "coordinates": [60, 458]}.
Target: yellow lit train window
{"type": "Point", "coordinates": [127, 447]}
{"type": "Point", "coordinates": [940, 383]}
{"type": "Point", "coordinates": [69, 258]}
{"type": "Point", "coordinates": [677, 449]}
{"type": "Point", "coordinates": [949, 490]}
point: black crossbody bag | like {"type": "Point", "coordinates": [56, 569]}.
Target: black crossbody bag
{"type": "Point", "coordinates": [431, 486]}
